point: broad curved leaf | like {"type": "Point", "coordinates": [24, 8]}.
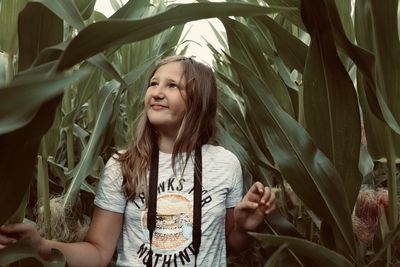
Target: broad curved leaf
{"type": "Point", "coordinates": [28, 95]}
{"type": "Point", "coordinates": [274, 258]}
{"type": "Point", "coordinates": [66, 10]}
{"type": "Point", "coordinates": [106, 110]}
{"type": "Point", "coordinates": [133, 9]}
{"type": "Point", "coordinates": [386, 46]}
{"type": "Point", "coordinates": [293, 16]}
{"type": "Point", "coordinates": [289, 48]}
{"type": "Point", "coordinates": [124, 31]}
{"type": "Point", "coordinates": [309, 172]}
{"type": "Point", "coordinates": [391, 239]}
{"type": "Point", "coordinates": [364, 60]}
{"type": "Point", "coordinates": [8, 24]}
{"type": "Point", "coordinates": [232, 113]}
{"type": "Point", "coordinates": [85, 7]}
{"type": "Point", "coordinates": [23, 249]}
{"type": "Point", "coordinates": [91, 151]}
{"type": "Point", "coordinates": [321, 256]}
{"type": "Point", "coordinates": [21, 145]}
{"type": "Point", "coordinates": [245, 47]}
{"type": "Point", "coordinates": [38, 28]}
{"type": "Point", "coordinates": [329, 90]}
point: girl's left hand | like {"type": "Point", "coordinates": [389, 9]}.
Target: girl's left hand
{"type": "Point", "coordinates": [258, 202]}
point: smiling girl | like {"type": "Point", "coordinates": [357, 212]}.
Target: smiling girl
{"type": "Point", "coordinates": [173, 197]}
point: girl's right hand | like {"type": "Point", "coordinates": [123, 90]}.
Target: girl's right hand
{"type": "Point", "coordinates": [11, 233]}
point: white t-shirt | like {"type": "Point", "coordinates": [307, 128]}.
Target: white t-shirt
{"type": "Point", "coordinates": [172, 238]}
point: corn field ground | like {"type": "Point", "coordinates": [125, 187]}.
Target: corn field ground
{"type": "Point", "coordinates": [308, 101]}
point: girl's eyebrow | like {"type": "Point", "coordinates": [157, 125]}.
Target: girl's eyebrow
{"type": "Point", "coordinates": [169, 80]}
{"type": "Point", "coordinates": [173, 80]}
{"type": "Point", "coordinates": [179, 82]}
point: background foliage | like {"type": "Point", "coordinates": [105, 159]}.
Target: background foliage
{"type": "Point", "coordinates": [299, 82]}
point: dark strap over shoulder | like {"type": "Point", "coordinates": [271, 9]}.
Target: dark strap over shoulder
{"type": "Point", "coordinates": [198, 175]}
{"type": "Point", "coordinates": [151, 214]}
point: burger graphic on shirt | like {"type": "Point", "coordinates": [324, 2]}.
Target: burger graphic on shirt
{"type": "Point", "coordinates": [174, 222]}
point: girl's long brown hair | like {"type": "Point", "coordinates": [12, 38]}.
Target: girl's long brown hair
{"type": "Point", "coordinates": [198, 126]}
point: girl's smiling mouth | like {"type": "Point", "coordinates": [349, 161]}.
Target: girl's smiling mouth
{"type": "Point", "coordinates": [158, 107]}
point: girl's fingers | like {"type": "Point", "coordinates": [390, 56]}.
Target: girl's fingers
{"type": "Point", "coordinates": [270, 203]}
{"type": "Point", "coordinates": [260, 197]}
{"type": "Point", "coordinates": [254, 193]}
{"type": "Point", "coordinates": [259, 187]}
{"type": "Point", "coordinates": [4, 240]}
{"type": "Point", "coordinates": [256, 188]}
{"type": "Point", "coordinates": [266, 196]}
{"type": "Point", "coordinates": [16, 228]}
{"type": "Point", "coordinates": [247, 205]}
{"type": "Point", "coordinates": [17, 231]}
{"type": "Point", "coordinates": [253, 206]}
{"type": "Point", "coordinates": [272, 198]}
{"type": "Point", "coordinates": [270, 208]}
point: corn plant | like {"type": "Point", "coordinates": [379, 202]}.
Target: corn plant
{"type": "Point", "coordinates": [297, 81]}
{"type": "Point", "coordinates": [77, 80]}
{"type": "Point", "coordinates": [293, 75]}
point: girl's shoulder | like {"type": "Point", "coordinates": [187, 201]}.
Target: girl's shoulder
{"type": "Point", "coordinates": [113, 161]}
{"type": "Point", "coordinates": [219, 153]}
{"type": "Point", "coordinates": [117, 153]}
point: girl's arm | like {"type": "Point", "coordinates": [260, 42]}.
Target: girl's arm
{"type": "Point", "coordinates": [96, 250]}
{"type": "Point", "coordinates": [247, 216]}
{"type": "Point", "coordinates": [236, 239]}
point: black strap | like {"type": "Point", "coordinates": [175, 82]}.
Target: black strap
{"type": "Point", "coordinates": [198, 175]}
{"type": "Point", "coordinates": [151, 214]}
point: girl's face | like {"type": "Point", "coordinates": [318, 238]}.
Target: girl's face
{"type": "Point", "coordinates": [165, 99]}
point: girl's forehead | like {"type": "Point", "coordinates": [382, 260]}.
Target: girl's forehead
{"type": "Point", "coordinates": [171, 70]}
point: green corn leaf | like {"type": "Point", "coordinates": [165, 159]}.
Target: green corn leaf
{"type": "Point", "coordinates": [289, 48]}
{"type": "Point", "coordinates": [9, 24]}
{"type": "Point", "coordinates": [5, 68]}
{"type": "Point", "coordinates": [29, 95]}
{"type": "Point", "coordinates": [67, 11]}
{"type": "Point", "coordinates": [309, 172]}
{"type": "Point", "coordinates": [85, 7]}
{"type": "Point", "coordinates": [124, 31]}
{"type": "Point", "coordinates": [276, 256]}
{"type": "Point", "coordinates": [91, 151]}
{"type": "Point", "coordinates": [364, 59]}
{"type": "Point", "coordinates": [244, 45]}
{"type": "Point", "coordinates": [329, 89]}
{"type": "Point", "coordinates": [51, 139]}
{"type": "Point", "coordinates": [386, 45]}
{"type": "Point", "coordinates": [23, 249]}
{"type": "Point", "coordinates": [391, 239]}
{"type": "Point", "coordinates": [64, 9]}
{"type": "Point", "coordinates": [234, 115]}
{"type": "Point", "coordinates": [22, 131]}
{"type": "Point", "coordinates": [133, 9]}
{"type": "Point", "coordinates": [38, 29]}
{"type": "Point", "coordinates": [87, 89]}
{"type": "Point", "coordinates": [107, 109]}
{"type": "Point", "coordinates": [294, 15]}
{"type": "Point", "coordinates": [321, 256]}
{"type": "Point", "coordinates": [344, 8]}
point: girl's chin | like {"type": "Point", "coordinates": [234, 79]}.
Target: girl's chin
{"type": "Point", "coordinates": [162, 123]}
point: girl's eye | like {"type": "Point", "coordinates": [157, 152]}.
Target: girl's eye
{"type": "Point", "coordinates": [153, 83]}
{"type": "Point", "coordinates": [173, 85]}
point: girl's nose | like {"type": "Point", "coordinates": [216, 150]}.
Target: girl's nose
{"type": "Point", "coordinates": [158, 92]}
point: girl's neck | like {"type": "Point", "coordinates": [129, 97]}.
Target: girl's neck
{"type": "Point", "coordinates": [166, 144]}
